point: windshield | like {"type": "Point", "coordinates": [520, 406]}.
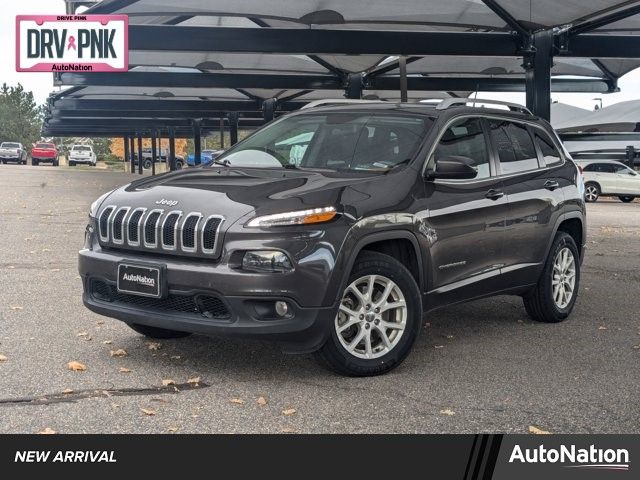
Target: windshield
{"type": "Point", "coordinates": [44, 145]}
{"type": "Point", "coordinates": [10, 145]}
{"type": "Point", "coordinates": [344, 141]}
{"type": "Point", "coordinates": [82, 148]}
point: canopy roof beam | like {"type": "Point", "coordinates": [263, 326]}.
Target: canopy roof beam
{"type": "Point", "coordinates": [590, 25]}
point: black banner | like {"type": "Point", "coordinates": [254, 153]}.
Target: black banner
{"type": "Point", "coordinates": [459, 457]}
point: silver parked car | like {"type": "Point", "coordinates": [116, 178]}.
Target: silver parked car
{"type": "Point", "coordinates": [13, 152]}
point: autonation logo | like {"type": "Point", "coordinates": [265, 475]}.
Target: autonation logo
{"type": "Point", "coordinates": [130, 277]}
{"type": "Point", "coordinates": [573, 457]}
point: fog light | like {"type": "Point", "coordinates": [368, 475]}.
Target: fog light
{"type": "Point", "coordinates": [282, 308]}
{"type": "Point", "coordinates": [266, 261]}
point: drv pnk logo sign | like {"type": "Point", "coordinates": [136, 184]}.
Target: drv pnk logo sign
{"type": "Point", "coordinates": [72, 43]}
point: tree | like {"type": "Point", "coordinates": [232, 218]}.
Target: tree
{"type": "Point", "coordinates": [20, 116]}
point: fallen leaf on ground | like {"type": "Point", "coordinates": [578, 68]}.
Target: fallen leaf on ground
{"type": "Point", "coordinates": [118, 353]}
{"type": "Point", "coordinates": [438, 346]}
{"type": "Point", "coordinates": [175, 357]}
{"type": "Point", "coordinates": [289, 411]}
{"type": "Point", "coordinates": [76, 366]}
{"type": "Point", "coordinates": [47, 431]}
{"type": "Point", "coordinates": [166, 382]}
{"type": "Point", "coordinates": [447, 412]}
{"type": "Point", "coordinates": [287, 430]}
{"type": "Point", "coordinates": [148, 411]}
{"type": "Point", "coordinates": [16, 307]}
{"type": "Point", "coordinates": [125, 370]}
{"type": "Point", "coordinates": [82, 334]}
{"type": "Point", "coordinates": [237, 401]}
{"type": "Point", "coordinates": [537, 431]}
{"type": "Point", "coordinates": [67, 391]}
{"type": "Point", "coordinates": [602, 327]}
{"type": "Point", "coordinates": [172, 429]}
{"type": "Point", "coordinates": [194, 382]}
{"type": "Point", "coordinates": [262, 401]}
{"type": "Point", "coordinates": [108, 342]}
{"type": "Point", "coordinates": [154, 345]}
{"type": "Point", "coordinates": [100, 322]}
{"type": "Point", "coordinates": [3, 358]}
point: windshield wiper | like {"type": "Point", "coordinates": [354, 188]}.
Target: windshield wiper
{"type": "Point", "coordinates": [290, 166]}
{"type": "Point", "coordinates": [391, 167]}
{"type": "Point", "coordinates": [224, 163]}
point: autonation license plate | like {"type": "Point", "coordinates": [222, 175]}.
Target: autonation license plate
{"type": "Point", "coordinates": [140, 280]}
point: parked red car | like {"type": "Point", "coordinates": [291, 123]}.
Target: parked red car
{"type": "Point", "coordinates": [44, 152]}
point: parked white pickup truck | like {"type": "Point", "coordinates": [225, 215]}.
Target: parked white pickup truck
{"type": "Point", "coordinates": [82, 154]}
{"type": "Point", "coordinates": [13, 152]}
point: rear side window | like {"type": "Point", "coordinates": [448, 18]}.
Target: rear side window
{"type": "Point", "coordinates": [44, 145]}
{"type": "Point", "coordinates": [515, 147]}
{"type": "Point", "coordinates": [465, 138]}
{"type": "Point", "coordinates": [549, 151]}
{"type": "Point", "coordinates": [600, 168]}
{"type": "Point", "coordinates": [82, 148]}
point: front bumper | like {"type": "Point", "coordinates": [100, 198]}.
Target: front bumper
{"type": "Point", "coordinates": [246, 298]}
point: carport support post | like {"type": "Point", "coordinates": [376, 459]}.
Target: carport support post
{"type": "Point", "coordinates": [537, 63]}
{"type": "Point", "coordinates": [269, 109]}
{"type": "Point", "coordinates": [127, 155]}
{"type": "Point", "coordinates": [132, 152]}
{"type": "Point", "coordinates": [140, 153]}
{"type": "Point", "coordinates": [197, 154]}
{"type": "Point", "coordinates": [154, 152]}
{"type": "Point", "coordinates": [221, 133]}
{"type": "Point", "coordinates": [402, 64]}
{"type": "Point", "coordinates": [172, 149]}
{"type": "Point", "coordinates": [355, 85]}
{"type": "Point", "coordinates": [233, 127]}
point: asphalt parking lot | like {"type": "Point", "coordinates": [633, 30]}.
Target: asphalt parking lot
{"type": "Point", "coordinates": [479, 367]}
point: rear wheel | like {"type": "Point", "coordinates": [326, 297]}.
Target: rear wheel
{"type": "Point", "coordinates": [33, 162]}
{"type": "Point", "coordinates": [626, 198]}
{"type": "Point", "coordinates": [553, 298]}
{"type": "Point", "coordinates": [378, 319]}
{"type": "Point", "coordinates": [146, 164]}
{"type": "Point", "coordinates": [157, 333]}
{"type": "Point", "coordinates": [179, 164]}
{"type": "Point", "coordinates": [72, 163]}
{"type": "Point", "coordinates": [591, 192]}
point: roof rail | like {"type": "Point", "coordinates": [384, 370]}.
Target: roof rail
{"type": "Point", "coordinates": [337, 101]}
{"type": "Point", "coordinates": [450, 102]}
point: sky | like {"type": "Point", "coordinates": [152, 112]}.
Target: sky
{"type": "Point", "coordinates": [42, 83]}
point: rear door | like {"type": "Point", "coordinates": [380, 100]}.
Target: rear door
{"type": "Point", "coordinates": [534, 194]}
{"type": "Point", "coordinates": [627, 180]}
{"type": "Point", "coordinates": [466, 217]}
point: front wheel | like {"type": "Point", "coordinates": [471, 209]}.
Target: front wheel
{"type": "Point", "coordinates": [553, 298]}
{"type": "Point", "coordinates": [157, 333]}
{"type": "Point", "coordinates": [626, 198]}
{"type": "Point", "coordinates": [378, 318]}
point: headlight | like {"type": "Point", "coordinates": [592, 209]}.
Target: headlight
{"type": "Point", "coordinates": [271, 261]}
{"type": "Point", "coordinates": [93, 210]}
{"type": "Point", "coordinates": [300, 217]}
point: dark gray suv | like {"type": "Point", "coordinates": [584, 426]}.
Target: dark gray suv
{"type": "Point", "coordinates": [335, 229]}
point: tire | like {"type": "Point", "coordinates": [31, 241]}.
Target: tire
{"type": "Point", "coordinates": [591, 192]}
{"type": "Point", "coordinates": [34, 163]}
{"type": "Point", "coordinates": [179, 165]}
{"type": "Point", "coordinates": [541, 304]}
{"type": "Point", "coordinates": [72, 164]}
{"type": "Point", "coordinates": [146, 164]}
{"type": "Point", "coordinates": [157, 333]}
{"type": "Point", "coordinates": [365, 322]}
{"type": "Point", "coordinates": [626, 198]}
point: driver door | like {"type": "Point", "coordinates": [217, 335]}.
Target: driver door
{"type": "Point", "coordinates": [467, 217]}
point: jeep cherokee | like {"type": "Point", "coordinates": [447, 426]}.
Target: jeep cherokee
{"type": "Point", "coordinates": [335, 229]}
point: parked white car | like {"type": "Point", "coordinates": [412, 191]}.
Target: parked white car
{"type": "Point", "coordinates": [82, 154]}
{"type": "Point", "coordinates": [609, 178]}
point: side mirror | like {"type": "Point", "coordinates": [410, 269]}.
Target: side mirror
{"type": "Point", "coordinates": [453, 167]}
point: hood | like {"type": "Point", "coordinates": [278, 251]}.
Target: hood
{"type": "Point", "coordinates": [236, 192]}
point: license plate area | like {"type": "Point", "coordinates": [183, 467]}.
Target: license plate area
{"type": "Point", "coordinates": [143, 280]}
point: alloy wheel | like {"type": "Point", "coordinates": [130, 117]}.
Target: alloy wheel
{"type": "Point", "coordinates": [372, 317]}
{"type": "Point", "coordinates": [563, 280]}
{"type": "Point", "coordinates": [591, 193]}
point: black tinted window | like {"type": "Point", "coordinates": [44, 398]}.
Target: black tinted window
{"type": "Point", "coordinates": [600, 167]}
{"type": "Point", "coordinates": [465, 138]}
{"type": "Point", "coordinates": [515, 147]}
{"type": "Point", "coordinates": [549, 151]}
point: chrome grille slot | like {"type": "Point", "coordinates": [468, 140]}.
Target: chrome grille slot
{"type": "Point", "coordinates": [151, 229]}
{"type": "Point", "coordinates": [169, 230]}
{"type": "Point", "coordinates": [158, 230]}
{"type": "Point", "coordinates": [104, 223]}
{"type": "Point", "coordinates": [210, 233]}
{"type": "Point", "coordinates": [133, 227]}
{"type": "Point", "coordinates": [189, 236]}
{"type": "Point", "coordinates": [117, 225]}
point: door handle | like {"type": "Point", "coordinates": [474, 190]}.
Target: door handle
{"type": "Point", "coordinates": [494, 194]}
{"type": "Point", "coordinates": [551, 185]}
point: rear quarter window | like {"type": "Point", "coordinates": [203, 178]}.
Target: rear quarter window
{"type": "Point", "coordinates": [550, 153]}
{"type": "Point", "coordinates": [513, 142]}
